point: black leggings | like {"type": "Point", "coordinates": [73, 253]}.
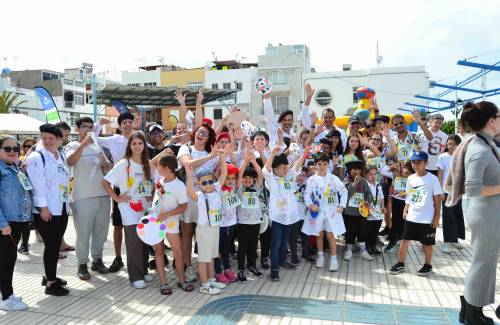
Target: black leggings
{"type": "Point", "coordinates": [8, 256]}
{"type": "Point", "coordinates": [355, 228]}
{"type": "Point", "coordinates": [397, 219]}
{"type": "Point", "coordinates": [265, 243]}
{"type": "Point", "coordinates": [372, 228]}
{"type": "Point", "coordinates": [52, 233]}
{"type": "Point", "coordinates": [248, 237]}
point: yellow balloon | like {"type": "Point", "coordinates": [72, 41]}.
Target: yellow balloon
{"type": "Point", "coordinates": [364, 103]}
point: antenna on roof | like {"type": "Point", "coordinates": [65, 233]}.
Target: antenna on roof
{"type": "Point", "coordinates": [378, 57]}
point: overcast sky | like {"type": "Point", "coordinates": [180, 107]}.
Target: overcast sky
{"type": "Point", "coordinates": [125, 34]}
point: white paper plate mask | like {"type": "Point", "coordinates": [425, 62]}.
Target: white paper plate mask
{"type": "Point", "coordinates": [247, 128]}
{"type": "Point", "coordinates": [263, 86]}
{"type": "Point", "coordinates": [293, 150]}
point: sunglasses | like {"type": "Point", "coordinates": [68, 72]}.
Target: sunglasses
{"type": "Point", "coordinates": [369, 126]}
{"type": "Point", "coordinates": [203, 133]}
{"type": "Point", "coordinates": [398, 124]}
{"type": "Point", "coordinates": [355, 123]}
{"type": "Point", "coordinates": [376, 139]}
{"type": "Point", "coordinates": [209, 182]}
{"type": "Point", "coordinates": [27, 146]}
{"type": "Point", "coordinates": [9, 149]}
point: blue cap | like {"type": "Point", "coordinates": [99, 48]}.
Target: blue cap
{"type": "Point", "coordinates": [419, 155]}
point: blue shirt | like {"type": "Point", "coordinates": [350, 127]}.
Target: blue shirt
{"type": "Point", "coordinates": [15, 203]}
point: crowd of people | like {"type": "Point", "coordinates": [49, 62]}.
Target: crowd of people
{"type": "Point", "coordinates": [231, 190]}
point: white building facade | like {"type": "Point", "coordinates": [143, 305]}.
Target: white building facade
{"type": "Point", "coordinates": [142, 78]}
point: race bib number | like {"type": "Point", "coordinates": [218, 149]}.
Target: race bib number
{"type": "Point", "coordinates": [355, 200]}
{"type": "Point", "coordinates": [417, 197]}
{"type": "Point", "coordinates": [250, 200]}
{"type": "Point", "coordinates": [143, 189]}
{"type": "Point", "coordinates": [299, 196]}
{"type": "Point", "coordinates": [400, 184]}
{"type": "Point", "coordinates": [285, 186]}
{"type": "Point", "coordinates": [232, 200]}
{"type": "Point", "coordinates": [214, 217]}
{"type": "Point", "coordinates": [404, 153]}
{"type": "Point", "coordinates": [329, 196]}
{"type": "Point", "coordinates": [25, 182]}
{"type": "Point", "coordinates": [63, 193]}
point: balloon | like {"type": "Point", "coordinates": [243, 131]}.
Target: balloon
{"type": "Point", "coordinates": [363, 114]}
{"type": "Point", "coordinates": [365, 92]}
{"type": "Point", "coordinates": [151, 231]}
{"type": "Point", "coordinates": [364, 103]}
{"type": "Point", "coordinates": [247, 128]}
{"type": "Point", "coordinates": [263, 86]}
{"type": "Point", "coordinates": [422, 111]}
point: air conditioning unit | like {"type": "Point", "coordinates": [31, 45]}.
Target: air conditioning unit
{"type": "Point", "coordinates": [346, 67]}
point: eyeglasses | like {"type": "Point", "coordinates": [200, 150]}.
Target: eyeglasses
{"type": "Point", "coordinates": [209, 182]}
{"type": "Point", "coordinates": [203, 133]}
{"type": "Point", "coordinates": [27, 146]}
{"type": "Point", "coordinates": [355, 123]}
{"type": "Point", "coordinates": [398, 124]}
{"type": "Point", "coordinates": [9, 149]}
{"type": "Point", "coordinates": [376, 139]}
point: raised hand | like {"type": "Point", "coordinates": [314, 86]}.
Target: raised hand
{"type": "Point", "coordinates": [268, 95]}
{"type": "Point", "coordinates": [386, 132]}
{"type": "Point", "coordinates": [181, 98]}
{"type": "Point", "coordinates": [309, 94]}
{"type": "Point", "coordinates": [104, 121]}
{"type": "Point", "coordinates": [357, 179]}
{"type": "Point", "coordinates": [199, 96]}
{"type": "Point", "coordinates": [364, 140]}
{"type": "Point", "coordinates": [137, 123]}
{"type": "Point", "coordinates": [416, 116]}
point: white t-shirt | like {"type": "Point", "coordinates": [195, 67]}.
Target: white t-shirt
{"type": "Point", "coordinates": [169, 196]}
{"type": "Point", "coordinates": [134, 184]}
{"type": "Point", "coordinates": [214, 204]}
{"type": "Point", "coordinates": [282, 201]}
{"type": "Point", "coordinates": [434, 148]}
{"type": "Point", "coordinates": [250, 209]}
{"type": "Point", "coordinates": [420, 196]}
{"type": "Point", "coordinates": [343, 136]}
{"type": "Point", "coordinates": [87, 173]}
{"type": "Point", "coordinates": [378, 198]}
{"type": "Point", "coordinates": [444, 163]}
{"type": "Point", "coordinates": [195, 154]}
{"type": "Point", "coordinates": [230, 202]}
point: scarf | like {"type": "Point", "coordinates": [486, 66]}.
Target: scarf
{"type": "Point", "coordinates": [455, 182]}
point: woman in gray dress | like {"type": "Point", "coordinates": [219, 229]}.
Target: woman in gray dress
{"type": "Point", "coordinates": [482, 186]}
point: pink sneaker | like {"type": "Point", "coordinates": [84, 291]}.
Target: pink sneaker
{"type": "Point", "coordinates": [230, 275]}
{"type": "Point", "coordinates": [222, 278]}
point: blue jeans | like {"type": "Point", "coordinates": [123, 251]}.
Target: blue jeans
{"type": "Point", "coordinates": [279, 240]}
{"type": "Point", "coordinates": [225, 238]}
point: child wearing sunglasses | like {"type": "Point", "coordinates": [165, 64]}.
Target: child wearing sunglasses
{"type": "Point", "coordinates": [209, 203]}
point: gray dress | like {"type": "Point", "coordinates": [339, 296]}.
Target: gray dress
{"type": "Point", "coordinates": [482, 214]}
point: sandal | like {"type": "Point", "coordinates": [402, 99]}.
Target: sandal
{"type": "Point", "coordinates": [68, 249]}
{"type": "Point", "coordinates": [165, 289]}
{"type": "Point", "coordinates": [186, 286]}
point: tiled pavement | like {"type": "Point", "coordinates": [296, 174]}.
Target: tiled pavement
{"type": "Point", "coordinates": [360, 293]}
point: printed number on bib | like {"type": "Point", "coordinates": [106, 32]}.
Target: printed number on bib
{"type": "Point", "coordinates": [400, 184]}
{"type": "Point", "coordinates": [285, 186]}
{"type": "Point", "coordinates": [63, 193]}
{"type": "Point", "coordinates": [144, 189]}
{"type": "Point", "coordinates": [356, 200]}
{"type": "Point", "coordinates": [215, 217]}
{"type": "Point", "coordinates": [25, 182]}
{"type": "Point", "coordinates": [250, 200]}
{"type": "Point", "coordinates": [232, 200]}
{"type": "Point", "coordinates": [404, 153]}
{"type": "Point", "coordinates": [300, 197]}
{"type": "Point", "coordinates": [329, 196]}
{"type": "Point", "coordinates": [417, 197]}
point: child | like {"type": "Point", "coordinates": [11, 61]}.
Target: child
{"type": "Point", "coordinates": [453, 217]}
{"type": "Point", "coordinates": [280, 180]}
{"type": "Point", "coordinates": [133, 176]}
{"type": "Point", "coordinates": [326, 198]}
{"type": "Point", "coordinates": [296, 227]}
{"type": "Point", "coordinates": [377, 210]}
{"type": "Point", "coordinates": [230, 202]}
{"type": "Point", "coordinates": [170, 200]}
{"type": "Point", "coordinates": [209, 202]}
{"type": "Point", "coordinates": [249, 186]}
{"type": "Point", "coordinates": [355, 223]}
{"type": "Point", "coordinates": [421, 212]}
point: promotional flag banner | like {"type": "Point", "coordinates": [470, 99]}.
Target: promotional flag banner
{"type": "Point", "coordinates": [48, 105]}
{"type": "Point", "coordinates": [120, 106]}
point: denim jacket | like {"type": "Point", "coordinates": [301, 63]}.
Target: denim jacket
{"type": "Point", "coordinates": [15, 203]}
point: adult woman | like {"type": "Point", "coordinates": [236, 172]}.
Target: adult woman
{"type": "Point", "coordinates": [197, 156]}
{"type": "Point", "coordinates": [482, 186]}
{"type": "Point", "coordinates": [49, 175]}
{"type": "Point", "coordinates": [15, 215]}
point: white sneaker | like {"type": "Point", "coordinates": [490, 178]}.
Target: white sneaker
{"type": "Point", "coordinates": [148, 278]}
{"type": "Point", "coordinates": [347, 254]}
{"type": "Point", "coordinates": [445, 248]}
{"type": "Point", "coordinates": [320, 261]}
{"type": "Point", "coordinates": [190, 274]}
{"type": "Point", "coordinates": [209, 290]}
{"type": "Point", "coordinates": [139, 284]}
{"type": "Point", "coordinates": [457, 245]}
{"type": "Point", "coordinates": [365, 255]}
{"type": "Point", "coordinates": [216, 284]}
{"type": "Point", "coordinates": [334, 264]}
{"type": "Point", "coordinates": [13, 303]}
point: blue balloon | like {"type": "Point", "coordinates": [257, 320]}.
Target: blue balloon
{"type": "Point", "coordinates": [5, 70]}
{"type": "Point", "coordinates": [363, 114]}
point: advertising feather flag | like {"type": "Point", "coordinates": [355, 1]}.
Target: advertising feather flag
{"type": "Point", "coordinates": [48, 105]}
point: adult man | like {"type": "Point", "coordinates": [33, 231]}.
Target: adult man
{"type": "Point", "coordinates": [436, 145]}
{"type": "Point", "coordinates": [285, 119]}
{"type": "Point", "coordinates": [90, 203]}
{"type": "Point", "coordinates": [156, 139]}
{"type": "Point", "coordinates": [117, 144]}
{"type": "Point", "coordinates": [354, 125]}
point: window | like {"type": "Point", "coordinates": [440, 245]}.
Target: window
{"type": "Point", "coordinates": [69, 82]}
{"type": "Point", "coordinates": [239, 85]}
{"type": "Point", "coordinates": [298, 49]}
{"type": "Point", "coordinates": [281, 104]}
{"type": "Point", "coordinates": [78, 98]}
{"type": "Point", "coordinates": [215, 86]}
{"type": "Point", "coordinates": [354, 97]}
{"type": "Point", "coordinates": [49, 76]}
{"type": "Point", "coordinates": [194, 85]}
{"type": "Point", "coordinates": [271, 50]}
{"type": "Point", "coordinates": [217, 113]}
{"type": "Point", "coordinates": [226, 85]}
{"type": "Point", "coordinates": [149, 84]}
{"type": "Point", "coordinates": [72, 118]}
{"type": "Point", "coordinates": [79, 84]}
{"type": "Point", "coordinates": [278, 77]}
{"type": "Point", "coordinates": [134, 85]}
{"type": "Point", "coordinates": [323, 97]}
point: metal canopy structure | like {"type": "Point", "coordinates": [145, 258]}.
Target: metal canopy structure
{"type": "Point", "coordinates": [157, 96]}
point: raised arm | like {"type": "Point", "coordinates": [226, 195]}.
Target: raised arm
{"type": "Point", "coordinates": [75, 155]}
{"type": "Point", "coordinates": [300, 162]}
{"type": "Point", "coordinates": [190, 184]}
{"type": "Point", "coordinates": [417, 118]}
{"type": "Point", "coordinates": [260, 177]}
{"type": "Point", "coordinates": [269, 162]}
{"type": "Point", "coordinates": [271, 120]}
{"type": "Point", "coordinates": [223, 164]}
{"type": "Point", "coordinates": [198, 114]}
{"type": "Point", "coordinates": [305, 112]}
{"type": "Point", "coordinates": [181, 99]}
{"type": "Point", "coordinates": [393, 150]}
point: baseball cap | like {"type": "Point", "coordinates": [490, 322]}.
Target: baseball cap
{"type": "Point", "coordinates": [383, 118]}
{"type": "Point", "coordinates": [354, 118]}
{"type": "Point", "coordinates": [155, 126]}
{"type": "Point", "coordinates": [419, 156]}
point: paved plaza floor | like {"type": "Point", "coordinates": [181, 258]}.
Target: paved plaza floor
{"type": "Point", "coordinates": [361, 292]}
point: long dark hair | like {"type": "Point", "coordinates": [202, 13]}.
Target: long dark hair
{"type": "Point", "coordinates": [358, 152]}
{"type": "Point", "coordinates": [211, 136]}
{"type": "Point", "coordinates": [144, 156]}
{"type": "Point", "coordinates": [476, 116]}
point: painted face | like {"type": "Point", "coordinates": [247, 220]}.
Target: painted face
{"type": "Point", "coordinates": [50, 141]}
{"type": "Point", "coordinates": [230, 180]}
{"type": "Point", "coordinates": [281, 170]}
{"type": "Point", "coordinates": [328, 119]}
{"type": "Point", "coordinates": [321, 167]}
{"type": "Point", "coordinates": [9, 151]}
{"type": "Point", "coordinates": [248, 181]}
{"type": "Point", "coordinates": [137, 146]}
{"type": "Point", "coordinates": [207, 183]}
{"type": "Point", "coordinates": [371, 176]}
{"type": "Point", "coordinates": [287, 123]}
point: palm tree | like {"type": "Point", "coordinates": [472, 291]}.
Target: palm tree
{"type": "Point", "coordinates": [8, 102]}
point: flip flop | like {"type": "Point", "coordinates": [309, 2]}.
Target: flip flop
{"type": "Point", "coordinates": [165, 289]}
